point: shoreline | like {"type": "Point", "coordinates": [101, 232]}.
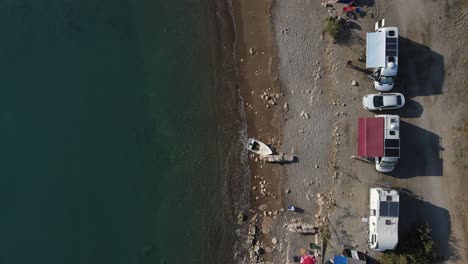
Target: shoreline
{"type": "Point", "coordinates": [255, 57]}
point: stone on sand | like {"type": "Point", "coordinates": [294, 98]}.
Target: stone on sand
{"type": "Point", "coordinates": [274, 241]}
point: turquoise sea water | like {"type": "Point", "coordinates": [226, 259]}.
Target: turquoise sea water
{"type": "Point", "coordinates": [114, 140]}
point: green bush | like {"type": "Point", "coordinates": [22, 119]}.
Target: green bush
{"type": "Point", "coordinates": [332, 27]}
{"type": "Point", "coordinates": [416, 247]}
{"type": "Point", "coordinates": [393, 258]}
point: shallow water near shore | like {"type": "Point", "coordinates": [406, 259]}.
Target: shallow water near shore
{"type": "Point", "coordinates": [120, 133]}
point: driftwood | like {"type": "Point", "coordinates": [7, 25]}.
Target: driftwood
{"type": "Point", "coordinates": [278, 158]}
{"type": "Point", "coordinates": [302, 228]}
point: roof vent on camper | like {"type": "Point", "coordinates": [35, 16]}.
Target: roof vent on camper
{"type": "Point", "coordinates": [392, 132]}
{"type": "Point", "coordinates": [388, 222]}
{"type": "Point", "coordinates": [389, 198]}
{"type": "Point", "coordinates": [391, 59]}
{"type": "Point", "coordinates": [391, 33]}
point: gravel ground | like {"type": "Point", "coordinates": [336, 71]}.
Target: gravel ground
{"type": "Point", "coordinates": [432, 75]}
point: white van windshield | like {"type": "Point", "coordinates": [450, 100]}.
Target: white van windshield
{"type": "Point", "coordinates": [386, 79]}
{"type": "Point", "coordinates": [387, 164]}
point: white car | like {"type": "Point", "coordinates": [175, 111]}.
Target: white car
{"type": "Point", "coordinates": [383, 101]}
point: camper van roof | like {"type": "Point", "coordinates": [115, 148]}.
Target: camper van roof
{"type": "Point", "coordinates": [383, 222]}
{"type": "Point", "coordinates": [379, 136]}
{"type": "Point", "coordinates": [380, 46]}
{"type": "Point", "coordinates": [371, 136]}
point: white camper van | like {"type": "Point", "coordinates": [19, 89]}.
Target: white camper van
{"type": "Point", "coordinates": [379, 139]}
{"type": "Point", "coordinates": [383, 219]}
{"type": "Point", "coordinates": [382, 55]}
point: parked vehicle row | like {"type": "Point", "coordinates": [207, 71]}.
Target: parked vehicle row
{"type": "Point", "coordinates": [379, 136]}
{"type": "Point", "coordinates": [382, 57]}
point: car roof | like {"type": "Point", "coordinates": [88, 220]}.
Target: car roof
{"type": "Point", "coordinates": [390, 99]}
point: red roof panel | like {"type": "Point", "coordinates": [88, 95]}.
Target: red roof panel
{"type": "Point", "coordinates": [371, 137]}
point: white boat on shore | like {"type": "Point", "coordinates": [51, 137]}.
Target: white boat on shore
{"type": "Point", "coordinates": [258, 147]}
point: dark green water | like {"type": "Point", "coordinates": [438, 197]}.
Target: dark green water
{"type": "Point", "coordinates": [111, 134]}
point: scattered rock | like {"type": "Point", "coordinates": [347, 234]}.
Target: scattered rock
{"type": "Point", "coordinates": [274, 241]}
{"type": "Point", "coordinates": [251, 51]}
{"type": "Point", "coordinates": [286, 107]}
{"type": "Point", "coordinates": [287, 191]}
{"type": "Point", "coordinates": [258, 250]}
{"type": "Point", "coordinates": [262, 207]}
{"type": "Point", "coordinates": [354, 83]}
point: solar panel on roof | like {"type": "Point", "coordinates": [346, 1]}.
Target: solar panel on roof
{"type": "Point", "coordinates": [389, 53]}
{"type": "Point", "coordinates": [391, 46]}
{"type": "Point", "coordinates": [392, 152]}
{"type": "Point", "coordinates": [392, 143]}
{"type": "Point", "coordinates": [383, 209]}
{"type": "Point", "coordinates": [388, 209]}
{"type": "Point", "coordinates": [392, 148]}
{"type": "Point", "coordinates": [393, 209]}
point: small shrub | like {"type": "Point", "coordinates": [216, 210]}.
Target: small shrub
{"type": "Point", "coordinates": [393, 258]}
{"type": "Point", "coordinates": [332, 27]}
{"type": "Point", "coordinates": [416, 247]}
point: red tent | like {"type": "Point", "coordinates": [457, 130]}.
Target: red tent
{"type": "Point", "coordinates": [307, 259]}
{"type": "Point", "coordinates": [371, 137]}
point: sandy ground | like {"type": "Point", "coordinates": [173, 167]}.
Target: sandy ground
{"type": "Point", "coordinates": [432, 75]}
{"type": "Point", "coordinates": [320, 123]}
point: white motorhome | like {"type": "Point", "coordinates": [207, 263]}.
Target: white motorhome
{"type": "Point", "coordinates": [383, 219]}
{"type": "Point", "coordinates": [382, 55]}
{"type": "Point", "coordinates": [379, 139]}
